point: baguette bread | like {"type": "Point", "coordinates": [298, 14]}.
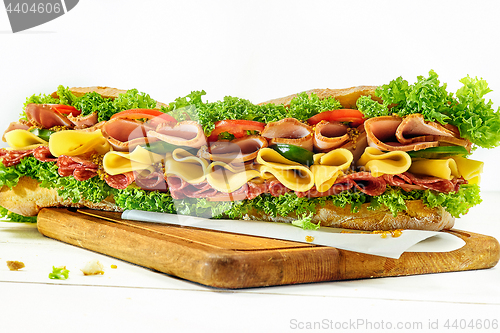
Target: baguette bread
{"type": "Point", "coordinates": [28, 198]}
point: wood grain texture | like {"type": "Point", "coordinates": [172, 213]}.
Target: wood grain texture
{"type": "Point", "coordinates": [226, 260]}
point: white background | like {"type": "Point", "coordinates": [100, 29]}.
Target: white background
{"type": "Point", "coordinates": [257, 50]}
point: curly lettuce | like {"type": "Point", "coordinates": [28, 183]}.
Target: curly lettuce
{"type": "Point", "coordinates": [96, 190]}
{"type": "Point", "coordinates": [475, 118]}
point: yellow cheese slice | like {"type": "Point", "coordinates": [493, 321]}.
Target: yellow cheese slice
{"type": "Point", "coordinates": [380, 163]}
{"type": "Point", "coordinates": [441, 168]}
{"type": "Point", "coordinates": [74, 143]}
{"type": "Point", "coordinates": [115, 162]}
{"type": "Point", "coordinates": [469, 169]}
{"type": "Point", "coordinates": [328, 167]}
{"type": "Point", "coordinates": [225, 178]}
{"type": "Point", "coordinates": [23, 139]}
{"type": "Point", "coordinates": [185, 165]}
{"type": "Point", "coordinates": [293, 175]}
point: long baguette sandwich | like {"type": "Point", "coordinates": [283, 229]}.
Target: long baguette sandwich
{"type": "Point", "coordinates": [369, 158]}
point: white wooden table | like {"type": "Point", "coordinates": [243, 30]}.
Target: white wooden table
{"type": "Point", "coordinates": [134, 299]}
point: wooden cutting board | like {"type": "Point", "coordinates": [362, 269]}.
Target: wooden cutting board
{"type": "Point", "coordinates": [226, 260]}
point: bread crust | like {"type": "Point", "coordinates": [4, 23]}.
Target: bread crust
{"type": "Point", "coordinates": [347, 97]}
{"type": "Point", "coordinates": [417, 216]}
{"type": "Point", "coordinates": [27, 198]}
{"type": "Point", "coordinates": [105, 92]}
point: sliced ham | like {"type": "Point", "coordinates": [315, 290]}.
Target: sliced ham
{"type": "Point", "coordinates": [81, 122]}
{"type": "Point", "coordinates": [289, 131]}
{"type": "Point", "coordinates": [124, 134]}
{"type": "Point", "coordinates": [78, 167]}
{"type": "Point", "coordinates": [43, 116]}
{"type": "Point", "coordinates": [239, 150]}
{"type": "Point", "coordinates": [185, 133]}
{"type": "Point", "coordinates": [43, 154]}
{"type": "Point", "coordinates": [392, 133]}
{"type": "Point", "coordinates": [13, 157]}
{"type": "Point", "coordinates": [330, 135]}
{"type": "Point", "coordinates": [357, 144]}
{"type": "Point", "coordinates": [121, 181]}
{"type": "Point", "coordinates": [24, 125]}
{"type": "Point", "coordinates": [414, 129]}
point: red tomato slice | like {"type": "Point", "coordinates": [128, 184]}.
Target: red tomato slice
{"type": "Point", "coordinates": [66, 109]}
{"type": "Point", "coordinates": [144, 113]}
{"type": "Point", "coordinates": [355, 117]}
{"type": "Point", "coordinates": [238, 128]}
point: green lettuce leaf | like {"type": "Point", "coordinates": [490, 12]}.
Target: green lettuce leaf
{"type": "Point", "coordinates": [13, 217]}
{"type": "Point", "coordinates": [66, 97]}
{"type": "Point", "coordinates": [305, 223]}
{"type": "Point", "coordinates": [93, 102]}
{"type": "Point", "coordinates": [59, 273]}
{"type": "Point", "coordinates": [475, 118]}
{"type": "Point", "coordinates": [133, 99]}
{"type": "Point", "coordinates": [303, 106]}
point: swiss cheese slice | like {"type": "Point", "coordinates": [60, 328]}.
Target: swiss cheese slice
{"type": "Point", "coordinates": [329, 166]}
{"type": "Point", "coordinates": [75, 142]}
{"type": "Point", "coordinates": [115, 162]}
{"type": "Point", "coordinates": [23, 139]}
{"type": "Point", "coordinates": [380, 163]}
{"type": "Point", "coordinates": [293, 175]}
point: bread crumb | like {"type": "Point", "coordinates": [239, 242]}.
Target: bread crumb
{"type": "Point", "coordinates": [93, 267]}
{"type": "Point", "coordinates": [15, 265]}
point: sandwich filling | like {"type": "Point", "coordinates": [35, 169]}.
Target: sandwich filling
{"type": "Point", "coordinates": [383, 148]}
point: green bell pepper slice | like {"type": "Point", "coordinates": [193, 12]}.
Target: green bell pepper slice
{"type": "Point", "coordinates": [437, 152]}
{"type": "Point", "coordinates": [294, 153]}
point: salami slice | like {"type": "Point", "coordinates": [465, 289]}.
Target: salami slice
{"type": "Point", "coordinates": [121, 181]}
{"type": "Point", "coordinates": [13, 157]}
{"type": "Point", "coordinates": [78, 167]}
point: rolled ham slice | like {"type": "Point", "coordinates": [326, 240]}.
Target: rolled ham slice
{"type": "Point", "coordinates": [392, 133]}
{"type": "Point", "coordinates": [125, 135]}
{"type": "Point", "coordinates": [83, 121]}
{"type": "Point", "coordinates": [329, 135]}
{"type": "Point", "coordinates": [186, 133]}
{"type": "Point", "coordinates": [415, 129]}
{"type": "Point", "coordinates": [24, 125]}
{"type": "Point", "coordinates": [242, 149]}
{"type": "Point", "coordinates": [43, 116]}
{"type": "Point", "coordinates": [289, 131]}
